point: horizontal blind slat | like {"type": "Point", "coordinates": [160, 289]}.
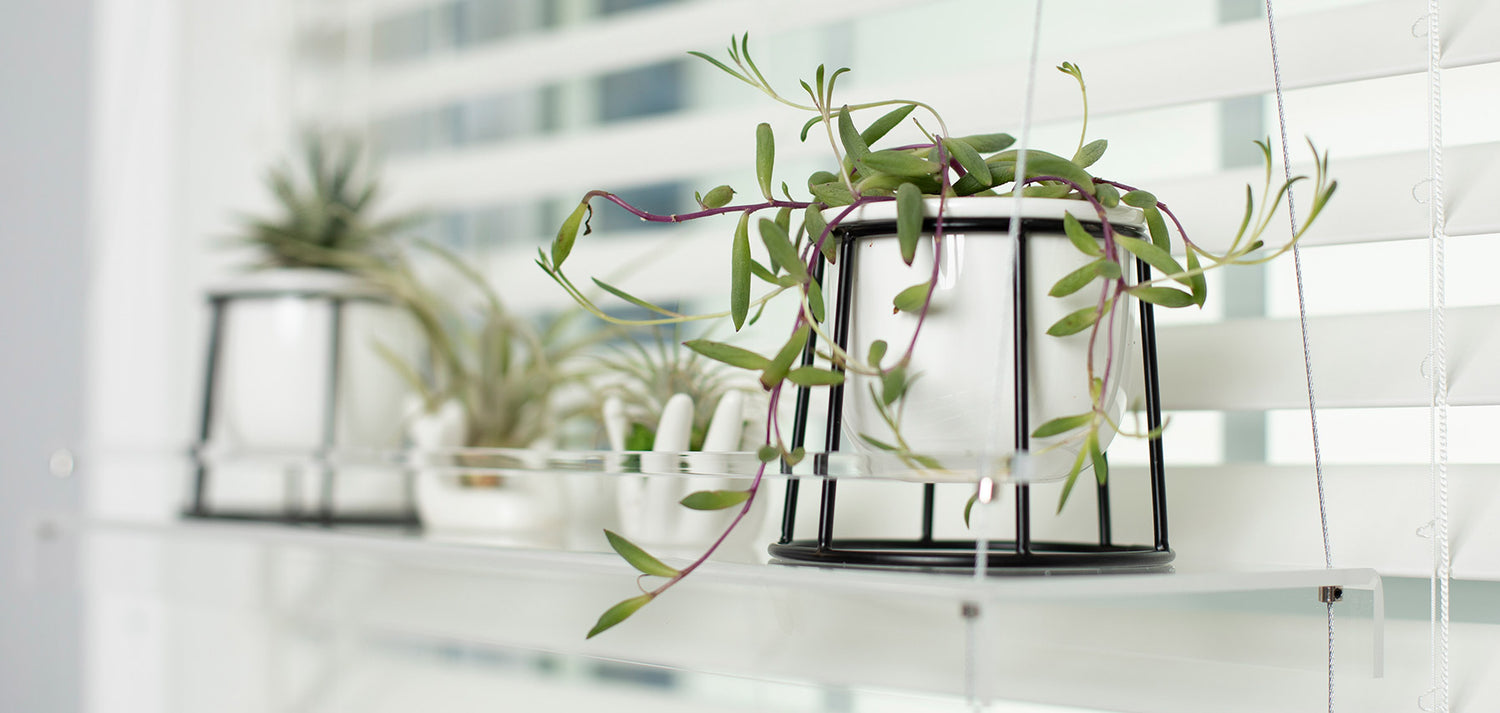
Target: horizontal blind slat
{"type": "Point", "coordinates": [1359, 361]}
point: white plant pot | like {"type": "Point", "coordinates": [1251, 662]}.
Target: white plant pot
{"type": "Point", "coordinates": [961, 397]}
{"type": "Point", "coordinates": [650, 509]}
{"type": "Point", "coordinates": [272, 383]}
{"type": "Point", "coordinates": [518, 510]}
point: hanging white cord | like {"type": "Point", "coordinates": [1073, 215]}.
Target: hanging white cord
{"type": "Point", "coordinates": [973, 617]}
{"type": "Point", "coordinates": [1312, 401]}
{"type": "Point", "coordinates": [1437, 364]}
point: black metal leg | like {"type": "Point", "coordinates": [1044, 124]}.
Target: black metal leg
{"type": "Point", "coordinates": [1021, 358]}
{"type": "Point", "coordinates": [1153, 415]}
{"type": "Point", "coordinates": [1101, 492]}
{"type": "Point", "coordinates": [199, 505]}
{"type": "Point", "coordinates": [799, 431]}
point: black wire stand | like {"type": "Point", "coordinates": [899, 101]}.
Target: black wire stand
{"type": "Point", "coordinates": [1022, 553]}
{"type": "Point", "coordinates": [293, 511]}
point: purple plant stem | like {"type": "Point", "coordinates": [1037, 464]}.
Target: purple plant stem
{"type": "Point", "coordinates": [678, 218]}
{"type": "Point", "coordinates": [1161, 207]}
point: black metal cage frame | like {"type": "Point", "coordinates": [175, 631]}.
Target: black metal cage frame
{"type": "Point", "coordinates": [1022, 552]}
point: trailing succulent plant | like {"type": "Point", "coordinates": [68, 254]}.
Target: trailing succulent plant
{"type": "Point", "coordinates": [797, 236]}
{"type": "Point", "coordinates": [323, 218]}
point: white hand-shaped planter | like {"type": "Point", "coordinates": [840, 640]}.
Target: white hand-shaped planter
{"type": "Point", "coordinates": [651, 513]}
{"type": "Point", "coordinates": [519, 510]}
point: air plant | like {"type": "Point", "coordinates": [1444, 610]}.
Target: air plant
{"type": "Point", "coordinates": [942, 166]}
{"type": "Point", "coordinates": [652, 374]}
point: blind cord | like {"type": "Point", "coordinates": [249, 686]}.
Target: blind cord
{"type": "Point", "coordinates": [1438, 364]}
{"type": "Point", "coordinates": [1312, 401]}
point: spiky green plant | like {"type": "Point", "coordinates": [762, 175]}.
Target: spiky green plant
{"type": "Point", "coordinates": [324, 206]}
{"type": "Point", "coordinates": [651, 376]}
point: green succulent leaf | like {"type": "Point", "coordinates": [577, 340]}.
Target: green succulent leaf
{"type": "Point", "coordinates": [1164, 296]}
{"type": "Point", "coordinates": [1139, 199]}
{"type": "Point", "coordinates": [1086, 244]}
{"type": "Point", "coordinates": [854, 145]}
{"type": "Point", "coordinates": [813, 376]}
{"type": "Point", "coordinates": [1090, 153]}
{"type": "Point", "coordinates": [989, 143]}
{"type": "Point", "coordinates": [1075, 322]}
{"type": "Point", "coordinates": [717, 198]}
{"type": "Point", "coordinates": [912, 298]}
{"type": "Point", "coordinates": [1158, 228]}
{"type": "Point", "coordinates": [1101, 464]}
{"type": "Point", "coordinates": [1075, 280]}
{"type": "Point", "coordinates": [568, 233]}
{"type": "Point", "coordinates": [779, 247]}
{"type": "Point", "coordinates": [715, 499]}
{"type": "Point", "coordinates": [876, 352]}
{"type": "Point", "coordinates": [1152, 254]}
{"type": "Point", "coordinates": [640, 437]}
{"type": "Point", "coordinates": [618, 613]}
{"type": "Point", "coordinates": [882, 126]}
{"type": "Point", "coordinates": [777, 369]}
{"type": "Point", "coordinates": [1073, 472]}
{"type": "Point", "coordinates": [768, 453]}
{"type": "Point", "coordinates": [817, 177]}
{"type": "Point", "coordinates": [893, 385]}
{"type": "Point", "coordinates": [1196, 282]}
{"type": "Point", "coordinates": [832, 193]}
{"type": "Point", "coordinates": [1107, 269]}
{"type": "Point", "coordinates": [1062, 424]}
{"type": "Point", "coordinates": [632, 299]}
{"type": "Point", "coordinates": [728, 354]}
{"type": "Point", "coordinates": [1041, 163]}
{"type": "Point", "coordinates": [765, 158]}
{"type": "Point", "coordinates": [1108, 195]}
{"type": "Point", "coordinates": [639, 558]}
{"type": "Point", "coordinates": [739, 273]}
{"type": "Point", "coordinates": [898, 163]}
{"type": "Point", "coordinates": [970, 159]}
{"type": "Point", "coordinates": [909, 216]}
{"type": "Point", "coordinates": [813, 223]}
{"type": "Point", "coordinates": [815, 300]}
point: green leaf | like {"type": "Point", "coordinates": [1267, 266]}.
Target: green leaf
{"type": "Point", "coordinates": [812, 221]}
{"type": "Point", "coordinates": [717, 198]}
{"type": "Point", "coordinates": [877, 443]}
{"type": "Point", "coordinates": [989, 143]}
{"type": "Point", "coordinates": [1107, 195]}
{"type": "Point", "coordinates": [876, 352]}
{"type": "Point", "coordinates": [768, 453]}
{"type": "Point", "coordinates": [908, 220]}
{"type": "Point", "coordinates": [1101, 465]}
{"type": "Point", "coordinates": [1164, 296]}
{"type": "Point", "coordinates": [639, 558]}
{"type": "Point", "coordinates": [1086, 244]}
{"type": "Point", "coordinates": [882, 126]}
{"type": "Point", "coordinates": [765, 158]}
{"type": "Point", "coordinates": [1041, 163]}
{"type": "Point", "coordinates": [567, 234]}
{"type": "Point", "coordinates": [739, 273]}
{"type": "Point", "coordinates": [1107, 269]}
{"type": "Point", "coordinates": [795, 456]}
{"type": "Point", "coordinates": [777, 369]}
{"type": "Point", "coordinates": [1153, 255]}
{"type": "Point", "coordinates": [779, 246]}
{"type": "Point", "coordinates": [969, 159]}
{"type": "Point", "coordinates": [1072, 478]}
{"type": "Point", "coordinates": [1089, 153]}
{"type": "Point", "coordinates": [854, 146]}
{"type": "Point", "coordinates": [1062, 424]}
{"type": "Point", "coordinates": [912, 298]}
{"type": "Point", "coordinates": [1075, 280]}
{"type": "Point", "coordinates": [813, 376]}
{"type": "Point", "coordinates": [1196, 282]}
{"type": "Point", "coordinates": [762, 272]}
{"type": "Point", "coordinates": [639, 438]}
{"type": "Point", "coordinates": [815, 300]}
{"type": "Point", "coordinates": [618, 613]}
{"type": "Point", "coordinates": [893, 385]}
{"type": "Point", "coordinates": [1158, 228]}
{"type": "Point", "coordinates": [632, 299]}
{"type": "Point", "coordinates": [729, 354]}
{"type": "Point", "coordinates": [1139, 199]}
{"type": "Point", "coordinates": [818, 177]}
{"type": "Point", "coordinates": [715, 499]}
{"type": "Point", "coordinates": [1074, 323]}
{"type": "Point", "coordinates": [832, 193]}
{"type": "Point", "coordinates": [898, 163]}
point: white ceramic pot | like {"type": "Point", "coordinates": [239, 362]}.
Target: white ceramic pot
{"type": "Point", "coordinates": [513, 509]}
{"type": "Point", "coordinates": [962, 391]}
{"type": "Point", "coordinates": [650, 507]}
{"type": "Point", "coordinates": [272, 383]}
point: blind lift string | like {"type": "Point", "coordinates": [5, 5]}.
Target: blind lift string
{"type": "Point", "coordinates": [1312, 401]}
{"type": "Point", "coordinates": [1438, 368]}
{"type": "Point", "coordinates": [1019, 468]}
